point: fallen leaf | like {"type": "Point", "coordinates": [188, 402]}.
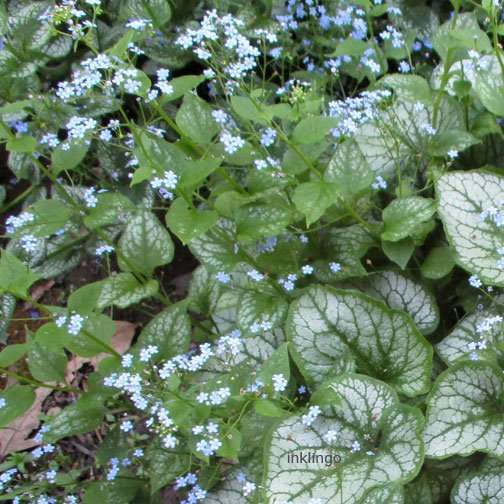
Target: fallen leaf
{"type": "Point", "coordinates": [121, 341]}
{"type": "Point", "coordinates": [14, 437]}
{"type": "Point", "coordinates": [38, 291]}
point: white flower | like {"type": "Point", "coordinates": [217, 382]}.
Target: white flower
{"type": "Point", "coordinates": [452, 154]}
{"type": "Point", "coordinates": [148, 352]}
{"type": "Point", "coordinates": [223, 277]}
{"type": "Point", "coordinates": [356, 446]}
{"type": "Point", "coordinates": [127, 426]}
{"type": "Point", "coordinates": [335, 267]}
{"type": "Point", "coordinates": [379, 183]}
{"type": "Point", "coordinates": [311, 416]}
{"type": "Point", "coordinates": [104, 249]}
{"type": "Point", "coordinates": [231, 143]}
{"type": "Point", "coordinates": [138, 24]}
{"type": "Point", "coordinates": [307, 269]}
{"type": "Point", "coordinates": [3, 402]}
{"type": "Point", "coordinates": [255, 275]}
{"type": "Point", "coordinates": [279, 382]}
{"type": "Point", "coordinates": [248, 488]}
{"type": "Point", "coordinates": [90, 198]}
{"type": "Point", "coordinates": [474, 281]}
{"type": "Point", "coordinates": [330, 436]}
{"type": "Point", "coordinates": [268, 137]}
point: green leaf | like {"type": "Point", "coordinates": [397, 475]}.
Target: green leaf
{"type": "Point", "coordinates": [164, 467]}
{"type": "Point", "coordinates": [268, 408]}
{"type": "Point", "coordinates": [464, 411]}
{"type": "Point", "coordinates": [121, 491]}
{"type": "Point", "coordinates": [490, 89]}
{"type": "Point", "coordinates": [215, 248]}
{"type": "Point", "coordinates": [24, 143]}
{"type": "Point", "coordinates": [408, 87]}
{"type": "Point", "coordinates": [231, 443]}
{"type": "Point", "coordinates": [460, 344]}
{"type": "Point", "coordinates": [446, 141]}
{"type": "Point", "coordinates": [112, 208]}
{"type": "Point", "coordinates": [158, 10]}
{"type": "Point", "coordinates": [482, 485]}
{"type": "Point", "coordinates": [68, 158]}
{"type": "Point", "coordinates": [333, 331]}
{"type": "Point", "coordinates": [46, 365]}
{"type": "Point", "coordinates": [404, 215]}
{"type": "Point", "coordinates": [189, 223]}
{"type": "Point", "coordinates": [72, 420]}
{"type": "Point", "coordinates": [399, 252]}
{"type": "Point", "coordinates": [313, 129]}
{"type": "Point", "coordinates": [314, 198]}
{"type": "Point", "coordinates": [401, 293]}
{"type": "Point", "coordinates": [123, 290]}
{"type": "Point", "coordinates": [12, 353]}
{"type": "Point", "coordinates": [260, 307]}
{"type": "Point", "coordinates": [247, 109]}
{"type": "Point", "coordinates": [18, 399]}
{"type": "Point", "coordinates": [15, 276]}
{"type": "Point", "coordinates": [145, 244]}
{"type": "Point", "coordinates": [256, 221]}
{"type": "Point", "coordinates": [51, 215]}
{"type": "Point", "coordinates": [196, 171]}
{"type": "Point", "coordinates": [170, 331]}
{"type": "Point", "coordinates": [438, 263]}
{"type": "Point", "coordinates": [194, 118]}
{"type": "Point", "coordinates": [349, 171]}
{"type": "Point", "coordinates": [155, 155]}
{"type": "Point", "coordinates": [462, 197]}
{"type": "Point", "coordinates": [465, 33]}
{"type": "Point", "coordinates": [94, 338]}
{"type": "Point", "coordinates": [390, 448]}
{"type": "Point", "coordinates": [181, 85]}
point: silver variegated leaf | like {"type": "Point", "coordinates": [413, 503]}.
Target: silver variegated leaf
{"type": "Point", "coordinates": [334, 331]}
{"type": "Point", "coordinates": [7, 305]}
{"type": "Point", "coordinates": [464, 411]}
{"type": "Point", "coordinates": [484, 485]}
{"type": "Point", "coordinates": [169, 330]}
{"type": "Point", "coordinates": [215, 249]}
{"type": "Point", "coordinates": [479, 336]}
{"type": "Point", "coordinates": [145, 244]}
{"type": "Point", "coordinates": [393, 494]}
{"type": "Point", "coordinates": [464, 197]}
{"type": "Point", "coordinates": [255, 347]}
{"type": "Point", "coordinates": [123, 290]}
{"type": "Point", "coordinates": [397, 134]}
{"type": "Point", "coordinates": [377, 437]}
{"type": "Point", "coordinates": [401, 293]}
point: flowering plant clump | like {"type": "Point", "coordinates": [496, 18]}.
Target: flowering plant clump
{"type": "Point", "coordinates": [242, 239]}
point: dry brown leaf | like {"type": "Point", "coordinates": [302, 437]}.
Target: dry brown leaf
{"type": "Point", "coordinates": [121, 341]}
{"type": "Point", "coordinates": [38, 291]}
{"type": "Point", "coordinates": [14, 436]}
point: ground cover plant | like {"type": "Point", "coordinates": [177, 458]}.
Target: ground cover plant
{"type": "Point", "coordinates": [252, 252]}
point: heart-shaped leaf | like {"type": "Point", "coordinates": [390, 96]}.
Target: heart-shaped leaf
{"type": "Point", "coordinates": [479, 336]}
{"type": "Point", "coordinates": [464, 197]}
{"type": "Point", "coordinates": [145, 244]}
{"type": "Point", "coordinates": [465, 412]}
{"type": "Point", "coordinates": [401, 293]}
{"type": "Point", "coordinates": [372, 440]}
{"type": "Point", "coordinates": [334, 331]}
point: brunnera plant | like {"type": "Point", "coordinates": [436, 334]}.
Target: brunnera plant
{"type": "Point", "coordinates": [330, 174]}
